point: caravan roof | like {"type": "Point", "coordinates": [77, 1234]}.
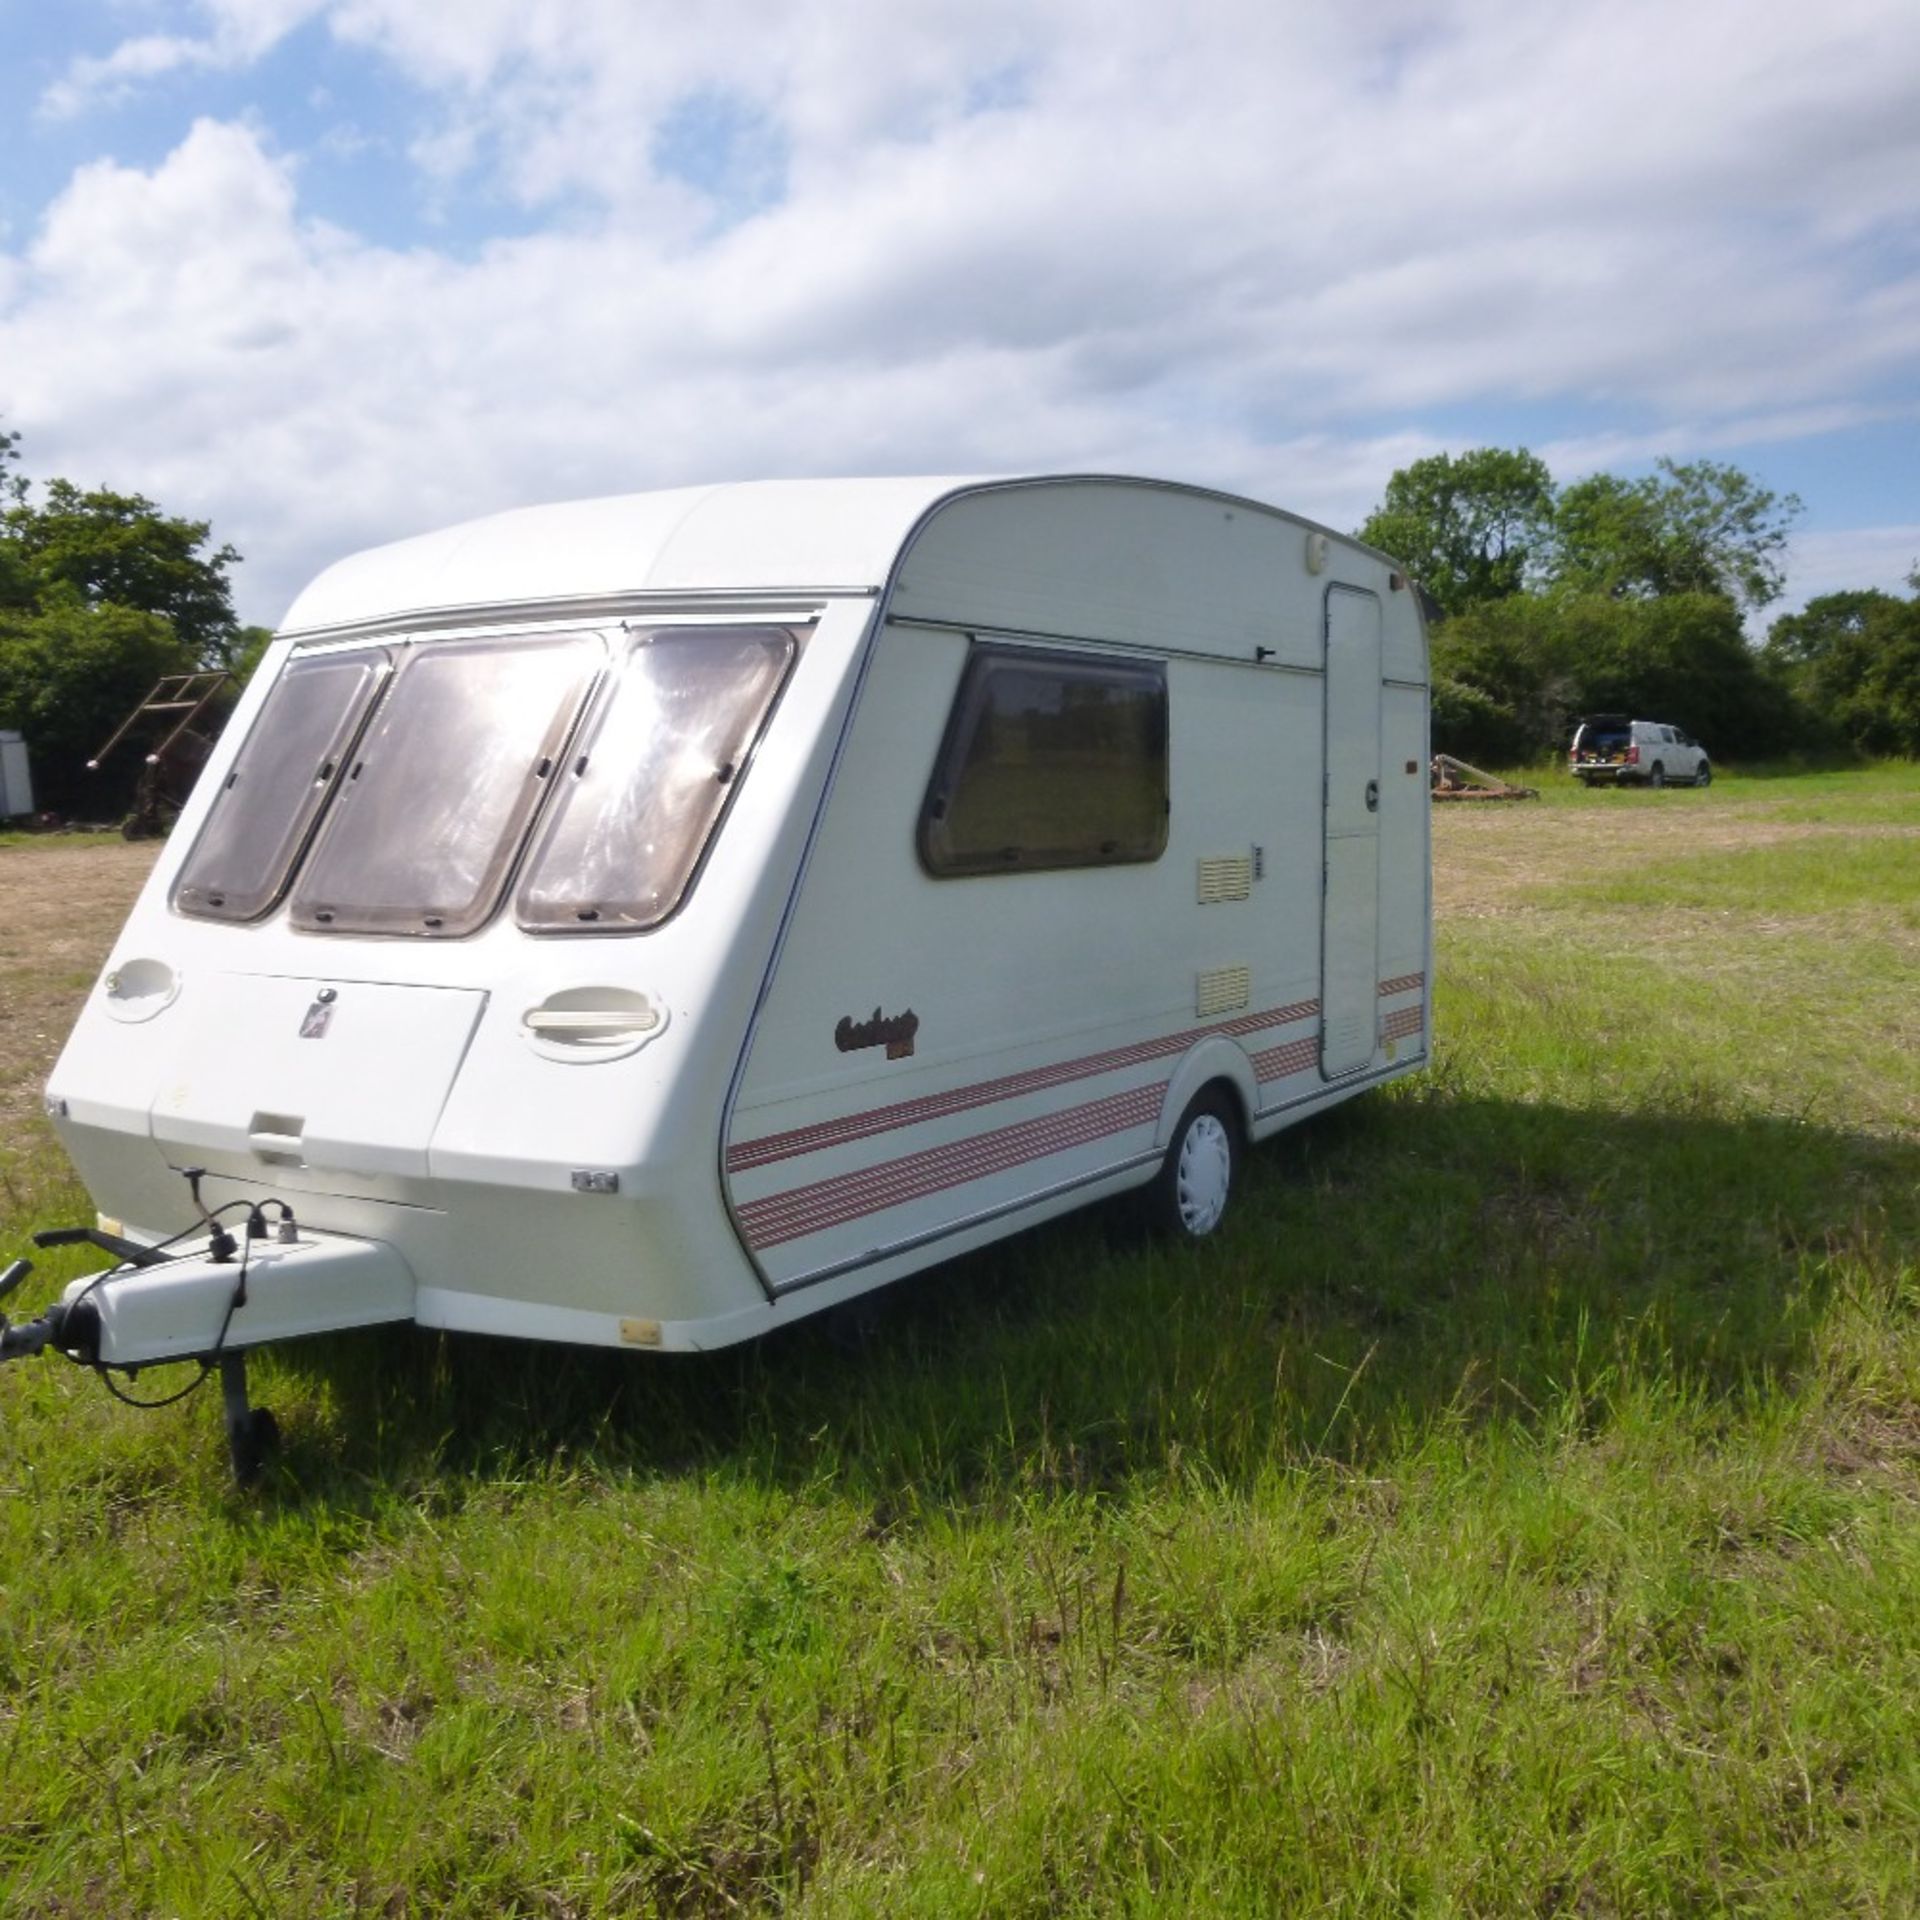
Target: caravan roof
{"type": "Point", "coordinates": [763, 535]}
{"type": "Point", "coordinates": [806, 538]}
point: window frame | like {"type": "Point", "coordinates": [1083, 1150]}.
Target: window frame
{"type": "Point", "coordinates": [943, 782]}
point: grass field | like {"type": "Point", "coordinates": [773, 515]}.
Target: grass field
{"type": "Point", "coordinates": [1515, 1509]}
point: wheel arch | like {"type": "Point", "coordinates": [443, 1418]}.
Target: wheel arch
{"type": "Point", "coordinates": [1214, 1061]}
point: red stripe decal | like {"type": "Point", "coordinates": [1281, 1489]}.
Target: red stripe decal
{"type": "Point", "coordinates": [907, 1113]}
{"type": "Point", "coordinates": [1402, 983]}
{"type": "Point", "coordinates": [892, 1183]}
{"type": "Point", "coordinates": [1277, 1062]}
{"type": "Point", "coordinates": [1407, 1020]}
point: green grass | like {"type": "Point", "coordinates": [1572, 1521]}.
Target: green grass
{"type": "Point", "coordinates": [1852, 795]}
{"type": "Point", "coordinates": [94, 836]}
{"type": "Point", "coordinates": [1796, 880]}
{"type": "Point", "coordinates": [1515, 1509]}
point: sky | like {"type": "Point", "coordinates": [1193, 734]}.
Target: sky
{"type": "Point", "coordinates": [330, 272]}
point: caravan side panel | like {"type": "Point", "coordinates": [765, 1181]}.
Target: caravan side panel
{"type": "Point", "coordinates": [1049, 1024]}
{"type": "Point", "coordinates": [1051, 1011]}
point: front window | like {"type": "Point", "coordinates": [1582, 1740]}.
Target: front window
{"type": "Point", "coordinates": [442, 787]}
{"type": "Point", "coordinates": [648, 779]}
{"type": "Point", "coordinates": [285, 770]}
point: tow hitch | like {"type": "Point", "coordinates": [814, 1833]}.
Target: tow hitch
{"type": "Point", "coordinates": [210, 1301]}
{"type": "Point", "coordinates": [20, 1343]}
{"type": "Point", "coordinates": [72, 1328]}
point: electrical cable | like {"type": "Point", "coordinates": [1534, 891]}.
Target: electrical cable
{"type": "Point", "coordinates": [102, 1368]}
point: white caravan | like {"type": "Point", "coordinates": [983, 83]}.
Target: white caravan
{"type": "Point", "coordinates": [644, 921]}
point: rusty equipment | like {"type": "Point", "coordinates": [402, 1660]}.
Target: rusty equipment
{"type": "Point", "coordinates": [1454, 780]}
{"type": "Point", "coordinates": [174, 763]}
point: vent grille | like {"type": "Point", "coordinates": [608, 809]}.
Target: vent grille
{"type": "Point", "coordinates": [1226, 876]}
{"type": "Point", "coordinates": [1223, 990]}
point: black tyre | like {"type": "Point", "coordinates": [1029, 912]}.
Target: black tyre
{"type": "Point", "coordinates": [1658, 777]}
{"type": "Point", "coordinates": [1190, 1193]}
{"type": "Point", "coordinates": [251, 1445]}
{"type": "Point", "coordinates": [1704, 778]}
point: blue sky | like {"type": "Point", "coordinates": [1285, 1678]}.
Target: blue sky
{"type": "Point", "coordinates": [331, 271]}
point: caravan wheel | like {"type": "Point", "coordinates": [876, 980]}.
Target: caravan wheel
{"type": "Point", "coordinates": [1189, 1195]}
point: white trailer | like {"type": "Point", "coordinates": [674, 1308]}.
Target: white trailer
{"type": "Point", "coordinates": [16, 781]}
{"type": "Point", "coordinates": [644, 921]}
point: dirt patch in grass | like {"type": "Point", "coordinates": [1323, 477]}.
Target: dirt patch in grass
{"type": "Point", "coordinates": [61, 904]}
{"type": "Point", "coordinates": [1488, 860]}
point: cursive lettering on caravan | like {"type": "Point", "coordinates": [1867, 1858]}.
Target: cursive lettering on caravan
{"type": "Point", "coordinates": [893, 1031]}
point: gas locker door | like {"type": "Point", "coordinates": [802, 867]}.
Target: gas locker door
{"type": "Point", "coordinates": [1350, 904]}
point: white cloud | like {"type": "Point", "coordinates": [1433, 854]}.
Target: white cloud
{"type": "Point", "coordinates": [1683, 438]}
{"type": "Point", "coordinates": [1225, 243]}
{"type": "Point", "coordinates": [1832, 562]}
{"type": "Point", "coordinates": [240, 31]}
{"type": "Point", "coordinates": [116, 76]}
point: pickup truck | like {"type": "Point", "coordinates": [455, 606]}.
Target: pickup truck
{"type": "Point", "coordinates": [1610, 750]}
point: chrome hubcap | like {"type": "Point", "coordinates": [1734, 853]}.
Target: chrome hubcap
{"type": "Point", "coordinates": [1203, 1174]}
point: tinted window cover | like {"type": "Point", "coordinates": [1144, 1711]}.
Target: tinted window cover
{"type": "Point", "coordinates": [287, 766]}
{"type": "Point", "coordinates": [437, 799]}
{"type": "Point", "coordinates": [657, 761]}
{"type": "Point", "coordinates": [1050, 760]}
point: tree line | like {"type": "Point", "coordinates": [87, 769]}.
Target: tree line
{"type": "Point", "coordinates": [1632, 596]}
{"type": "Point", "coordinates": [101, 595]}
{"type": "Point", "coordinates": [1605, 595]}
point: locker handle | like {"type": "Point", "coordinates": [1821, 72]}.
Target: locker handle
{"type": "Point", "coordinates": [1373, 796]}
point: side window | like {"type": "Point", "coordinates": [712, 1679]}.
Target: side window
{"type": "Point", "coordinates": [1049, 760]}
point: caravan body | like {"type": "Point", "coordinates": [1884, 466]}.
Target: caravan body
{"type": "Point", "coordinates": [642, 921]}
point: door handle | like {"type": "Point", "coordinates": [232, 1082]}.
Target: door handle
{"type": "Point", "coordinates": [1373, 796]}
{"type": "Point", "coordinates": [592, 1023]}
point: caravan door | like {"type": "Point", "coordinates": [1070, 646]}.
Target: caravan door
{"type": "Point", "coordinates": [1350, 900]}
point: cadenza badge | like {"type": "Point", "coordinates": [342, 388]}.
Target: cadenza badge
{"type": "Point", "coordinates": [893, 1031]}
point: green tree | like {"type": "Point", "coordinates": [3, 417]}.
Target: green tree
{"type": "Point", "coordinates": [1533, 663]}
{"type": "Point", "coordinates": [69, 673]}
{"type": "Point", "coordinates": [101, 594]}
{"type": "Point", "coordinates": [1702, 527]}
{"type": "Point", "coordinates": [1470, 530]}
{"type": "Point", "coordinates": [1854, 660]}
{"type": "Point", "coordinates": [1504, 681]}
{"type": "Point", "coordinates": [1682, 658]}
{"type": "Point", "coordinates": [16, 579]}
{"type": "Point", "coordinates": [119, 549]}
{"type": "Point", "coordinates": [249, 649]}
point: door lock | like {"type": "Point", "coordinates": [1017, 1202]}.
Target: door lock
{"type": "Point", "coordinates": [1373, 796]}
